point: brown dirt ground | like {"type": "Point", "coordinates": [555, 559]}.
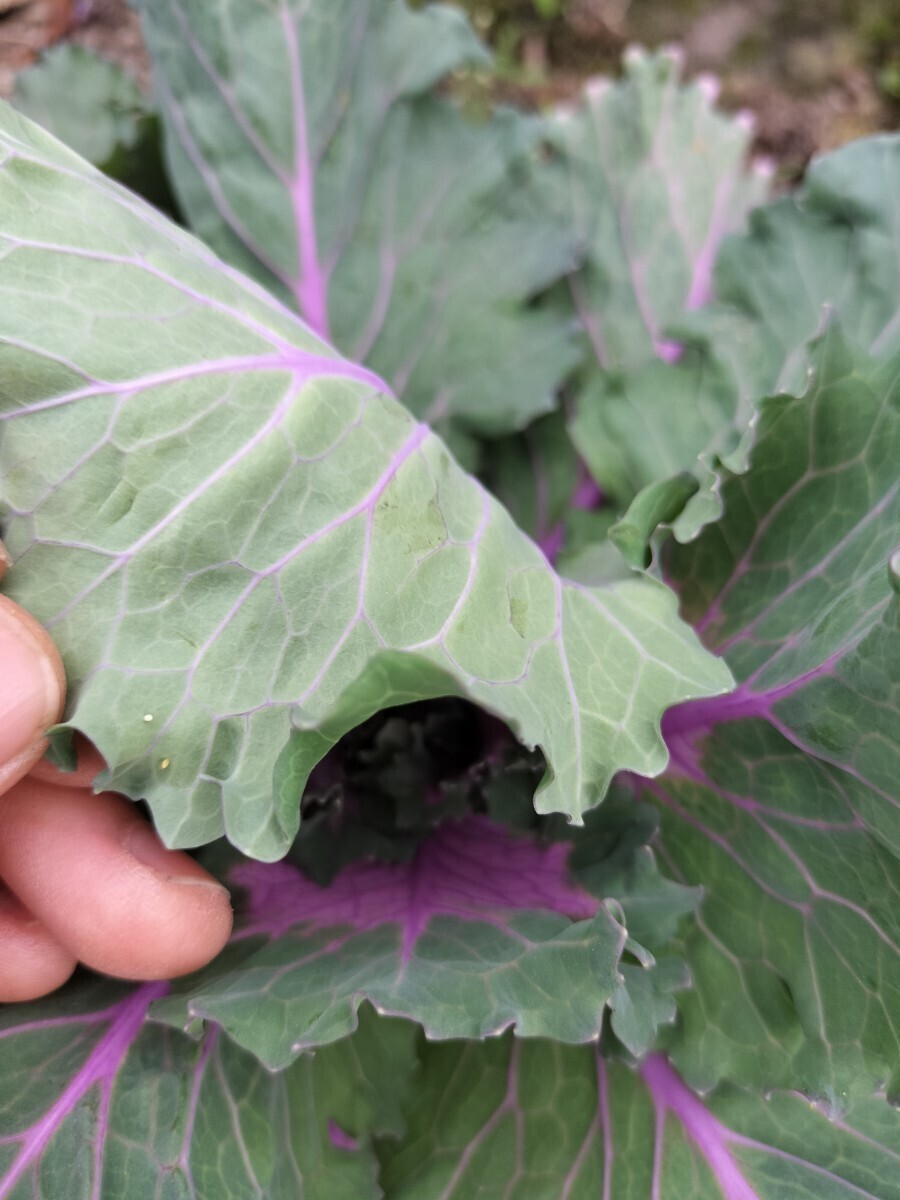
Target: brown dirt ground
{"type": "Point", "coordinates": [109, 27]}
{"type": "Point", "coordinates": [802, 67]}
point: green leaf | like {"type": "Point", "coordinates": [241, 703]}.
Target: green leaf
{"type": "Point", "coordinates": [534, 474]}
{"type": "Point", "coordinates": [832, 243]}
{"type": "Point", "coordinates": [98, 110]}
{"type": "Point", "coordinates": [658, 180]}
{"type": "Point", "coordinates": [638, 428]}
{"type": "Point", "coordinates": [243, 546]}
{"type": "Point", "coordinates": [307, 148]}
{"type": "Point", "coordinates": [793, 586]}
{"type": "Point", "coordinates": [97, 1104]}
{"type": "Point", "coordinates": [656, 504]}
{"type": "Point", "coordinates": [538, 1121]}
{"type": "Point", "coordinates": [829, 251]}
{"type": "Point", "coordinates": [92, 105]}
{"type": "Point", "coordinates": [795, 954]}
{"type": "Point", "coordinates": [781, 800]}
{"type": "Point", "coordinates": [644, 1000]}
{"type": "Point", "coordinates": [838, 235]}
{"type": "Point", "coordinates": [480, 930]}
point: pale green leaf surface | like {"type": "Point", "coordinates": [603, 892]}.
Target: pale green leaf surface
{"type": "Point", "coordinates": [244, 547]}
{"type": "Point", "coordinates": [658, 180]}
{"type": "Point", "coordinates": [834, 242]}
{"type": "Point", "coordinates": [538, 1121]}
{"type": "Point", "coordinates": [840, 235]}
{"type": "Point", "coordinates": [306, 148]}
{"type": "Point", "coordinates": [830, 251]}
{"type": "Point", "coordinates": [97, 108]}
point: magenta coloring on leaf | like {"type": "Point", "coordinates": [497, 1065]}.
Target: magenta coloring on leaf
{"type": "Point", "coordinates": [471, 869]}
{"type": "Point", "coordinates": [99, 1069]}
{"type": "Point", "coordinates": [671, 1095]}
{"type": "Point", "coordinates": [340, 1139]}
{"type": "Point", "coordinates": [311, 290]}
{"type": "Point", "coordinates": [587, 497]}
{"type": "Point", "coordinates": [552, 542]}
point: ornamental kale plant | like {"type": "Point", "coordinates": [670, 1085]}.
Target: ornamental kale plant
{"type": "Point", "coordinates": [477, 538]}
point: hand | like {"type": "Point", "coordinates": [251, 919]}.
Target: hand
{"type": "Point", "coordinates": [82, 877]}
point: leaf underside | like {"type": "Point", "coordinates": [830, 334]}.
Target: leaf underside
{"type": "Point", "coordinates": [244, 546]}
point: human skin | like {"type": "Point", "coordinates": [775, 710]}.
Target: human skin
{"type": "Point", "coordinates": [83, 877]}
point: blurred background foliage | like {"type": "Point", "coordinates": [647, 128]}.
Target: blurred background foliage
{"type": "Point", "coordinates": [815, 73]}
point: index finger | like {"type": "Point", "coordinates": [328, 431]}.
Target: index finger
{"type": "Point", "coordinates": [32, 688]}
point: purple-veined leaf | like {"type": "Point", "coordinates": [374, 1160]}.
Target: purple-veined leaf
{"type": "Point", "coordinates": [658, 180]}
{"type": "Point", "coordinates": [98, 1104]}
{"type": "Point", "coordinates": [795, 587]}
{"type": "Point", "coordinates": [795, 952]}
{"type": "Point", "coordinates": [244, 546]}
{"type": "Point", "coordinates": [833, 244]}
{"type": "Point", "coordinates": [830, 249]}
{"type": "Point", "coordinates": [538, 1121]}
{"type": "Point", "coordinates": [307, 148]}
{"type": "Point", "coordinates": [480, 931]}
{"type": "Point", "coordinates": [782, 800]}
{"type": "Point", "coordinates": [97, 1090]}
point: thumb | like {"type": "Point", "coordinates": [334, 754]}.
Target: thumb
{"type": "Point", "coordinates": [32, 689]}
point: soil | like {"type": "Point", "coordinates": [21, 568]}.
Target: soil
{"type": "Point", "coordinates": [109, 27]}
{"type": "Point", "coordinates": [815, 73]}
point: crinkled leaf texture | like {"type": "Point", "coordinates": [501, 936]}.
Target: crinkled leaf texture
{"type": "Point", "coordinates": [831, 249]}
{"type": "Point", "coordinates": [782, 799]}
{"type": "Point", "coordinates": [97, 1104]}
{"type": "Point", "coordinates": [538, 1121]}
{"type": "Point", "coordinates": [306, 147]}
{"type": "Point", "coordinates": [481, 930]}
{"type": "Point", "coordinates": [657, 181]}
{"type": "Point", "coordinates": [244, 546]}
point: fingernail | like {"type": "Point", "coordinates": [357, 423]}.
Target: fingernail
{"type": "Point", "coordinates": [30, 691]}
{"type": "Point", "coordinates": [143, 844]}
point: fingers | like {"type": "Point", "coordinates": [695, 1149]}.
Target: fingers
{"type": "Point", "coordinates": [32, 689]}
{"type": "Point", "coordinates": [90, 764]}
{"type": "Point", "coordinates": [99, 881]}
{"type": "Point", "coordinates": [87, 879]}
{"type": "Point", "coordinates": [32, 962]}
